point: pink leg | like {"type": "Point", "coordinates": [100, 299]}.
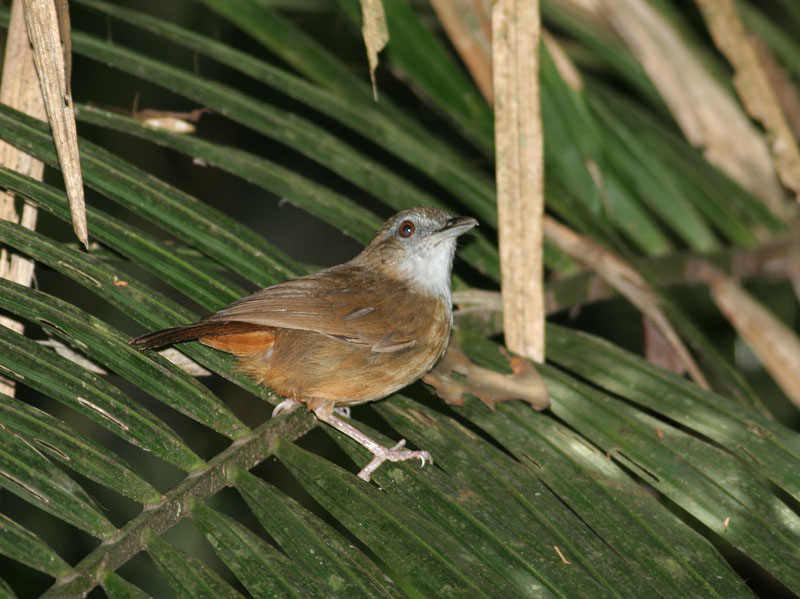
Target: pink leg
{"type": "Point", "coordinates": [380, 453]}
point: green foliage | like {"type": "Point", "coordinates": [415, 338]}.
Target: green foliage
{"type": "Point", "coordinates": [635, 482]}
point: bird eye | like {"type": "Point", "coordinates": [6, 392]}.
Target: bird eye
{"type": "Point", "coordinates": [406, 229]}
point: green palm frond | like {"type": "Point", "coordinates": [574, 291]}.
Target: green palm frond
{"type": "Point", "coordinates": [144, 480]}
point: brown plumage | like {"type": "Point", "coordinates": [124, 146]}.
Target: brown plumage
{"type": "Point", "coordinates": [352, 333]}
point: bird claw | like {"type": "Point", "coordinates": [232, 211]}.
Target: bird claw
{"type": "Point", "coordinates": [380, 453]}
{"type": "Point", "coordinates": [396, 453]}
{"type": "Point", "coordinates": [285, 407]}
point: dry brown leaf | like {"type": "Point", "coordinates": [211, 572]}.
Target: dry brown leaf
{"type": "Point", "coordinates": [455, 375]}
{"type": "Point", "coordinates": [775, 344]}
{"type": "Point", "coordinates": [784, 88]}
{"type": "Point", "coordinates": [708, 116]}
{"type": "Point", "coordinates": [19, 89]}
{"type": "Point", "coordinates": [48, 54]}
{"type": "Point", "coordinates": [65, 33]}
{"type": "Point", "coordinates": [468, 24]}
{"type": "Point", "coordinates": [753, 86]}
{"type": "Point", "coordinates": [520, 172]}
{"type": "Point", "coordinates": [626, 280]}
{"type": "Point", "coordinates": [376, 35]}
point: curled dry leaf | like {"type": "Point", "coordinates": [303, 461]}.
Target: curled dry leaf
{"type": "Point", "coordinates": [456, 375]}
{"type": "Point", "coordinates": [45, 37]}
{"type": "Point", "coordinates": [376, 35]}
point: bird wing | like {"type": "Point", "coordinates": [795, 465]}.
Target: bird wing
{"type": "Point", "coordinates": [345, 302]}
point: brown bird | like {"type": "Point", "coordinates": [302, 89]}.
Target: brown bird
{"type": "Point", "coordinates": [348, 334]}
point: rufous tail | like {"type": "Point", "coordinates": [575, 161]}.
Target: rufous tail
{"type": "Point", "coordinates": [190, 332]}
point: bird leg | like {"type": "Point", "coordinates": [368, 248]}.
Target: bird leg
{"type": "Point", "coordinates": [380, 453]}
{"type": "Point", "coordinates": [287, 406]}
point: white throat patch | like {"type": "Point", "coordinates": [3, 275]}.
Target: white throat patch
{"type": "Point", "coordinates": [429, 267]}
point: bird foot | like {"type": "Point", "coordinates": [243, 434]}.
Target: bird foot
{"type": "Point", "coordinates": [325, 412]}
{"type": "Point", "coordinates": [343, 411]}
{"type": "Point", "coordinates": [285, 407]}
{"type": "Point", "coordinates": [392, 454]}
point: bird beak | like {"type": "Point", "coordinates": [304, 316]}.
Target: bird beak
{"type": "Point", "coordinates": [456, 226]}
